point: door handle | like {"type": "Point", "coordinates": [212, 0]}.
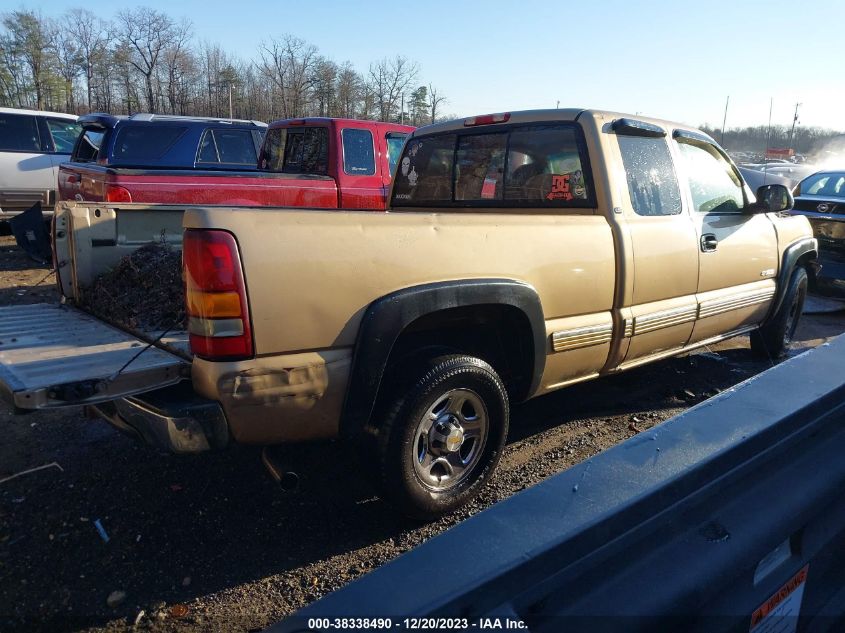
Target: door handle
{"type": "Point", "coordinates": [708, 243]}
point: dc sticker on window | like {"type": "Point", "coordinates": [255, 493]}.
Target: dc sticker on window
{"type": "Point", "coordinates": [560, 188]}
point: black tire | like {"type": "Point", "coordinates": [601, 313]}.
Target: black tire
{"type": "Point", "coordinates": [411, 423]}
{"type": "Point", "coordinates": [773, 338]}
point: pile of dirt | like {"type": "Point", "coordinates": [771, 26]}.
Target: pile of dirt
{"type": "Point", "coordinates": [143, 292]}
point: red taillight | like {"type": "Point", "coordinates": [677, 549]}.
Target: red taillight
{"type": "Point", "coordinates": [215, 296]}
{"type": "Point", "coordinates": [487, 119]}
{"type": "Point", "coordinates": [114, 193]}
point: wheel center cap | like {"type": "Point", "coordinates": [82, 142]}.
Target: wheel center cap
{"type": "Point", "coordinates": [447, 436]}
{"type": "Point", "coordinates": [454, 439]}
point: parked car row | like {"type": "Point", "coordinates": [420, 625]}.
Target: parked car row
{"type": "Point", "coordinates": [314, 162]}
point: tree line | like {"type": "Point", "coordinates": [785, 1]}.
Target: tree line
{"type": "Point", "coordinates": [804, 140]}
{"type": "Point", "coordinates": [144, 60]}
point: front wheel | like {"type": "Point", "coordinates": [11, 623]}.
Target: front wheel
{"type": "Point", "coordinates": [775, 336]}
{"type": "Point", "coordinates": [440, 441]}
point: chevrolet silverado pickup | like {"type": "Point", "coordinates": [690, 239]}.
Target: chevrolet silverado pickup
{"type": "Point", "coordinates": [315, 163]}
{"type": "Point", "coordinates": [522, 252]}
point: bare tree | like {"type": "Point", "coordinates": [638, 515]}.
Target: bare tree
{"type": "Point", "coordinates": [147, 33]}
{"type": "Point", "coordinates": [289, 63]}
{"type": "Point", "coordinates": [179, 62]}
{"type": "Point", "coordinates": [389, 80]}
{"type": "Point", "coordinates": [66, 60]}
{"type": "Point", "coordinates": [92, 37]}
{"type": "Point", "coordinates": [348, 89]}
{"type": "Point", "coordinates": [435, 98]}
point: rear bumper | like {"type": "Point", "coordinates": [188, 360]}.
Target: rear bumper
{"type": "Point", "coordinates": [173, 419]}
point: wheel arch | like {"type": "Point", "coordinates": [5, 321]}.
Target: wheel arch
{"type": "Point", "coordinates": [387, 318]}
{"type": "Point", "coordinates": [804, 252]}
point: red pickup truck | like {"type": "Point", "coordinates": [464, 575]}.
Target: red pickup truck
{"type": "Point", "coordinates": [313, 162]}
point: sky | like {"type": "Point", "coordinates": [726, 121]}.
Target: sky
{"type": "Point", "coordinates": [668, 59]}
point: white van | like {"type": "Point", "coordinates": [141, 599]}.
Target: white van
{"type": "Point", "coordinates": [32, 145]}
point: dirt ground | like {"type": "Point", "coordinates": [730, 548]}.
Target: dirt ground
{"type": "Point", "coordinates": [209, 542]}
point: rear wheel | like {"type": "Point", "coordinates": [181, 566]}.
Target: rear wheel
{"type": "Point", "coordinates": [441, 438]}
{"type": "Point", "coordinates": [774, 337]}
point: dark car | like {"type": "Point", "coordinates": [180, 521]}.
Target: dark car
{"type": "Point", "coordinates": [821, 198]}
{"type": "Point", "coordinates": [118, 155]}
{"type": "Point", "coordinates": [155, 140]}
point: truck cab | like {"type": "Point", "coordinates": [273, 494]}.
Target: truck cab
{"type": "Point", "coordinates": [359, 156]}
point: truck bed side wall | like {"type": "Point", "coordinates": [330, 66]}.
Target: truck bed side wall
{"type": "Point", "coordinates": [307, 303]}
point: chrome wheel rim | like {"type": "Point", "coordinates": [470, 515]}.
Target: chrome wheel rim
{"type": "Point", "coordinates": [449, 439]}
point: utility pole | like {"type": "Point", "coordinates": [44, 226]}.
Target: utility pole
{"type": "Point", "coordinates": [794, 121]}
{"type": "Point", "coordinates": [724, 120]}
{"type": "Point", "coordinates": [230, 102]}
{"type": "Point", "coordinates": [402, 110]}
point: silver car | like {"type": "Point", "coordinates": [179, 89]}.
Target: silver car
{"type": "Point", "coordinates": [32, 145]}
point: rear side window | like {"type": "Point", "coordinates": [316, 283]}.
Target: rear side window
{"type": "Point", "coordinates": [652, 183]}
{"type": "Point", "coordinates": [232, 147]}
{"type": "Point", "coordinates": [145, 142]}
{"type": "Point", "coordinates": [64, 134]}
{"type": "Point", "coordinates": [395, 141]}
{"type": "Point", "coordinates": [541, 165]}
{"type": "Point", "coordinates": [425, 171]}
{"type": "Point", "coordinates": [19, 133]}
{"type": "Point", "coordinates": [295, 150]}
{"type": "Point", "coordinates": [713, 183]}
{"type": "Point", "coordinates": [88, 147]}
{"type": "Point", "coordinates": [359, 157]}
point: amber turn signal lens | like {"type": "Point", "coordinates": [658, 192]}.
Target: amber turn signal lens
{"type": "Point", "coordinates": [213, 305]}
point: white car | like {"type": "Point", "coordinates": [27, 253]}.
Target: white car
{"type": "Point", "coordinates": [32, 145]}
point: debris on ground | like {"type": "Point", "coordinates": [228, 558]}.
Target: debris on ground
{"type": "Point", "coordinates": [178, 611]}
{"type": "Point", "coordinates": [32, 470]}
{"type": "Point", "coordinates": [142, 292]}
{"type": "Point", "coordinates": [102, 531]}
{"type": "Point", "coordinates": [686, 394]}
{"type": "Point", "coordinates": [115, 598]}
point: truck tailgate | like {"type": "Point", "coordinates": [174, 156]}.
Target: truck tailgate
{"type": "Point", "coordinates": [54, 355]}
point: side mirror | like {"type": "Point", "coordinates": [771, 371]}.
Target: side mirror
{"type": "Point", "coordinates": [772, 199]}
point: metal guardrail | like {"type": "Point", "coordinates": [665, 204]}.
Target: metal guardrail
{"type": "Point", "coordinates": [728, 517]}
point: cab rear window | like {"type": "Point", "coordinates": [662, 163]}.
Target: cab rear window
{"type": "Point", "coordinates": [541, 165]}
{"type": "Point", "coordinates": [295, 150]}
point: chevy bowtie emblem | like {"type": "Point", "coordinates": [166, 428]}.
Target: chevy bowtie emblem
{"type": "Point", "coordinates": [824, 207]}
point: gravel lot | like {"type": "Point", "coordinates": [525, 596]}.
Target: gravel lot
{"type": "Point", "coordinates": [209, 542]}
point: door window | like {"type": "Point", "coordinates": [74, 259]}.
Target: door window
{"type": "Point", "coordinates": [652, 183]}
{"type": "Point", "coordinates": [19, 133]}
{"type": "Point", "coordinates": [713, 183]}
{"type": "Point", "coordinates": [64, 134]}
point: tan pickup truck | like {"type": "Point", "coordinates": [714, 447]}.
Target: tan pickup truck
{"type": "Point", "coordinates": [522, 252]}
